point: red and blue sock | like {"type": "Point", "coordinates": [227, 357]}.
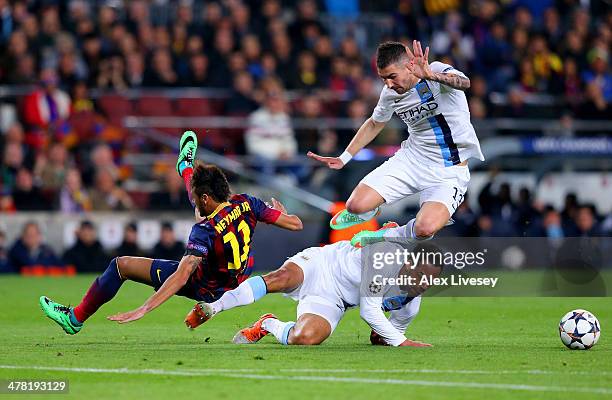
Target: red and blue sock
{"type": "Point", "coordinates": [104, 288]}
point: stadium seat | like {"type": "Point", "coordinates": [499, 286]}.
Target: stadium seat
{"type": "Point", "coordinates": [84, 124]}
{"type": "Point", "coordinates": [115, 107]}
{"type": "Point", "coordinates": [194, 107]}
{"type": "Point", "coordinates": [154, 106]}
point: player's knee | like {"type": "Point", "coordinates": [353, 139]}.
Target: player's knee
{"type": "Point", "coordinates": [119, 262]}
{"type": "Point", "coordinates": [425, 227]}
{"type": "Point", "coordinates": [278, 281]}
{"type": "Point", "coordinates": [305, 336]}
{"type": "Point", "coordinates": [123, 265]}
{"type": "Point", "coordinates": [357, 206]}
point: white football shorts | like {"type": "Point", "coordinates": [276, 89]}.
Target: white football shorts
{"type": "Point", "coordinates": [317, 294]}
{"type": "Point", "coordinates": [400, 176]}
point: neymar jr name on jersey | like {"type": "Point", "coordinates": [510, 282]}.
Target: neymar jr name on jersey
{"type": "Point", "coordinates": [232, 216]}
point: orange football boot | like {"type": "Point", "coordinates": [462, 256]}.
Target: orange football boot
{"type": "Point", "coordinates": [253, 333]}
{"type": "Point", "coordinates": [199, 314]}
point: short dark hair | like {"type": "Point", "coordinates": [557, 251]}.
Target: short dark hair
{"type": "Point", "coordinates": [389, 53]}
{"type": "Point", "coordinates": [87, 224]}
{"type": "Point", "coordinates": [209, 179]}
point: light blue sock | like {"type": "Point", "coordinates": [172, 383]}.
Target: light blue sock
{"type": "Point", "coordinates": [184, 164]}
{"type": "Point", "coordinates": [366, 216]}
{"type": "Point", "coordinates": [247, 292]}
{"type": "Point", "coordinates": [404, 231]}
{"type": "Point", "coordinates": [279, 329]}
{"type": "Point", "coordinates": [258, 286]}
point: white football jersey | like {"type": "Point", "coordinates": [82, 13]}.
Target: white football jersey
{"type": "Point", "coordinates": [438, 120]}
{"type": "Point", "coordinates": [345, 261]}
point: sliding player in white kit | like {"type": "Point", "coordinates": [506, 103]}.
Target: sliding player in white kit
{"type": "Point", "coordinates": [429, 98]}
{"type": "Point", "coordinates": [326, 281]}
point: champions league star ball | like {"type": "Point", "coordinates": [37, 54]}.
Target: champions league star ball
{"type": "Point", "coordinates": [579, 330]}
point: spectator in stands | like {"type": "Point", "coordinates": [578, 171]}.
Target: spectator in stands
{"type": "Point", "coordinates": [87, 254]}
{"type": "Point", "coordinates": [197, 74]}
{"type": "Point", "coordinates": [586, 221]}
{"type": "Point", "coordinates": [306, 77]}
{"type": "Point", "coordinates": [552, 225]}
{"type": "Point", "coordinates": [284, 52]}
{"type": "Point", "coordinates": [270, 135]}
{"type": "Point", "coordinates": [306, 28]}
{"type": "Point", "coordinates": [112, 74]}
{"type": "Point", "coordinates": [174, 196]}
{"type": "Point", "coordinates": [72, 197]}
{"type": "Point", "coordinates": [599, 72]}
{"type": "Point", "coordinates": [526, 214]}
{"type": "Point", "coordinates": [46, 111]}
{"type": "Point", "coordinates": [324, 52]}
{"type": "Point", "coordinates": [465, 221]}
{"type": "Point", "coordinates": [101, 157]}
{"type": "Point", "coordinates": [570, 210]}
{"type": "Point", "coordinates": [50, 169]}
{"type": "Point", "coordinates": [4, 259]}
{"type": "Point", "coordinates": [161, 73]}
{"type": "Point", "coordinates": [29, 250]}
{"type": "Point", "coordinates": [242, 101]}
{"type": "Point", "coordinates": [16, 49]}
{"type": "Point", "coordinates": [7, 23]}
{"type": "Point", "coordinates": [28, 197]}
{"type": "Point", "coordinates": [107, 195]}
{"type": "Point", "coordinates": [595, 105]}
{"type": "Point", "coordinates": [309, 108]}
{"type": "Point", "coordinates": [168, 248]}
{"type": "Point", "coordinates": [135, 69]}
{"type": "Point", "coordinates": [339, 80]}
{"type": "Point", "coordinates": [547, 65]}
{"type": "Point", "coordinates": [357, 111]}
{"type": "Point", "coordinates": [129, 245]}
{"type": "Point", "coordinates": [495, 56]}
{"type": "Point", "coordinates": [223, 47]}
{"type": "Point", "coordinates": [12, 161]}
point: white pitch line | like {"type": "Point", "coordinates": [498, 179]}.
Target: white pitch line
{"type": "Point", "coordinates": [450, 371]}
{"type": "Point", "coordinates": [223, 374]}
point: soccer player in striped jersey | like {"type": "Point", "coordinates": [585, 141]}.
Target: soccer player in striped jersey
{"type": "Point", "coordinates": [430, 100]}
{"type": "Point", "coordinates": [218, 256]}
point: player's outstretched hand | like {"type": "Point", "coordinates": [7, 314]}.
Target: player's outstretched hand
{"type": "Point", "coordinates": [331, 162]}
{"type": "Point", "coordinates": [419, 61]}
{"type": "Point", "coordinates": [411, 343]}
{"type": "Point", "coordinates": [129, 316]}
{"type": "Point", "coordinates": [277, 205]}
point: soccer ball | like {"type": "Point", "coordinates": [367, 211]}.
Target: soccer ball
{"type": "Point", "coordinates": [579, 330]}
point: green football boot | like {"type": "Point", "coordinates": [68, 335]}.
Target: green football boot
{"type": "Point", "coordinates": [372, 236]}
{"type": "Point", "coordinates": [345, 219]}
{"type": "Point", "coordinates": [60, 314]}
{"type": "Point", "coordinates": [187, 151]}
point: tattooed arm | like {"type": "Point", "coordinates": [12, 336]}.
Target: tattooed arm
{"type": "Point", "coordinates": [419, 66]}
{"type": "Point", "coordinates": [171, 286]}
{"type": "Point", "coordinates": [453, 80]}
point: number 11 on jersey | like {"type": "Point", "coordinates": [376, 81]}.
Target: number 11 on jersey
{"type": "Point", "coordinates": [238, 257]}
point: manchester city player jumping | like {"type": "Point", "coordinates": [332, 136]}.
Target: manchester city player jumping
{"type": "Point", "coordinates": [432, 162]}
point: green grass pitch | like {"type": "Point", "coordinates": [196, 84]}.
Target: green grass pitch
{"type": "Point", "coordinates": [502, 348]}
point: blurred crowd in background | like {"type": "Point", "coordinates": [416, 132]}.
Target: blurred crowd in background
{"type": "Point", "coordinates": [31, 255]}
{"type": "Point", "coordinates": [65, 149]}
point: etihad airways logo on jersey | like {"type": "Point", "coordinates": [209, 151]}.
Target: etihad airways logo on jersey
{"type": "Point", "coordinates": [414, 114]}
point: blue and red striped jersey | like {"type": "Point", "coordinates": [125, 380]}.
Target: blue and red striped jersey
{"type": "Point", "coordinates": [223, 241]}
